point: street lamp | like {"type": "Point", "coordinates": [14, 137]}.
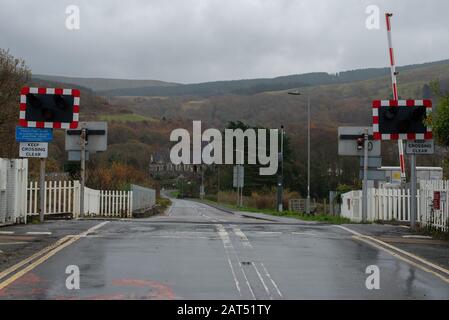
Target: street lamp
{"type": "Point", "coordinates": [280, 182]}
{"type": "Point", "coordinates": [297, 93]}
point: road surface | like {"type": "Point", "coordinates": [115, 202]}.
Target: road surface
{"type": "Point", "coordinates": [200, 252]}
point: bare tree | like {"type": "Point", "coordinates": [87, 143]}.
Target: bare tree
{"type": "Point", "coordinates": [13, 75]}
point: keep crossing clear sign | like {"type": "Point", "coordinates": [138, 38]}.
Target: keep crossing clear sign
{"type": "Point", "coordinates": [33, 150]}
{"type": "Point", "coordinates": [420, 147]}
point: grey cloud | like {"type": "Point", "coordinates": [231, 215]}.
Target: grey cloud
{"type": "Point", "coordinates": [203, 40]}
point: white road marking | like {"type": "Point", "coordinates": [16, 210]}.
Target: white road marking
{"type": "Point", "coordinates": [372, 241]}
{"type": "Point", "coordinates": [268, 232]}
{"type": "Point", "coordinates": [271, 279]}
{"type": "Point", "coordinates": [263, 282]}
{"type": "Point", "coordinates": [304, 233]}
{"type": "Point", "coordinates": [242, 236]}
{"type": "Point", "coordinates": [416, 237]}
{"type": "Point", "coordinates": [36, 233]}
{"type": "Point", "coordinates": [6, 232]}
{"type": "Point", "coordinates": [9, 243]}
{"type": "Point", "coordinates": [226, 243]}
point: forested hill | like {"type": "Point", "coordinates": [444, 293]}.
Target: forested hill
{"type": "Point", "coordinates": [254, 86]}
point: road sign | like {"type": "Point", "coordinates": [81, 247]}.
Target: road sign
{"type": "Point", "coordinates": [24, 134]}
{"type": "Point", "coordinates": [33, 150]}
{"type": "Point", "coordinates": [375, 175]}
{"type": "Point", "coordinates": [238, 177]}
{"type": "Point", "coordinates": [420, 147]}
{"type": "Point", "coordinates": [49, 108]}
{"type": "Point", "coordinates": [97, 137]}
{"type": "Point", "coordinates": [436, 200]}
{"type": "Point", "coordinates": [373, 162]}
{"type": "Point", "coordinates": [401, 119]}
{"type": "Point", "coordinates": [76, 156]}
{"type": "Point", "coordinates": [347, 142]}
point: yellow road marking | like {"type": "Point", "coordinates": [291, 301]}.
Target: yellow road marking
{"type": "Point", "coordinates": [47, 253]}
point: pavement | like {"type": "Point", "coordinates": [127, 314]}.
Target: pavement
{"type": "Point", "coordinates": [196, 251]}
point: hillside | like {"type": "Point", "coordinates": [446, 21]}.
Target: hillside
{"type": "Point", "coordinates": [103, 84]}
{"type": "Point", "coordinates": [254, 86]}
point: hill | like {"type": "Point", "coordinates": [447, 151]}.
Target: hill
{"type": "Point", "coordinates": [103, 84]}
{"type": "Point", "coordinates": [254, 86]}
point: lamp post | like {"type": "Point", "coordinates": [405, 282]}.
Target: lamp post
{"type": "Point", "coordinates": [280, 182]}
{"type": "Point", "coordinates": [297, 93]}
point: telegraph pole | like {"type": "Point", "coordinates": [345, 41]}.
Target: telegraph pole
{"type": "Point", "coordinates": [280, 186]}
{"type": "Point", "coordinates": [83, 170]}
{"type": "Point", "coordinates": [308, 157]}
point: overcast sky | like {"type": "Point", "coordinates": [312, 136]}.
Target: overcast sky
{"type": "Point", "coordinates": [204, 40]}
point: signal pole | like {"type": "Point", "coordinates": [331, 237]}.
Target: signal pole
{"type": "Point", "coordinates": [83, 171]}
{"type": "Point", "coordinates": [365, 178]}
{"type": "Point", "coordinates": [42, 191]}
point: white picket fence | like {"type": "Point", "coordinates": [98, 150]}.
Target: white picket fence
{"type": "Point", "coordinates": [60, 197]}
{"type": "Point", "coordinates": [394, 205]}
{"type": "Point", "coordinates": [64, 197]}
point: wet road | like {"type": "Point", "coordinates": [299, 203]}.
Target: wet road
{"type": "Point", "coordinates": [199, 252]}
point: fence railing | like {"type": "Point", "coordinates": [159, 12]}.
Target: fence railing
{"type": "Point", "coordinates": [63, 197]}
{"type": "Point", "coordinates": [60, 197]}
{"type": "Point", "coordinates": [394, 205]}
{"type": "Point", "coordinates": [116, 203]}
{"type": "Point", "coordinates": [143, 198]}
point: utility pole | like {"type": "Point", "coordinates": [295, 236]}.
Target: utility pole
{"type": "Point", "coordinates": [42, 190]}
{"type": "Point", "coordinates": [308, 157]}
{"type": "Point", "coordinates": [83, 170]}
{"type": "Point", "coordinates": [297, 93]}
{"type": "Point", "coordinates": [365, 178]}
{"type": "Point", "coordinates": [202, 184]}
{"type": "Point", "coordinates": [280, 184]}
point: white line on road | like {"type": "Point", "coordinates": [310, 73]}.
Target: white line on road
{"type": "Point", "coordinates": [304, 233]}
{"type": "Point", "coordinates": [242, 236]}
{"type": "Point", "coordinates": [245, 240]}
{"type": "Point", "coordinates": [225, 239]}
{"type": "Point", "coordinates": [263, 282]}
{"type": "Point", "coordinates": [6, 232]}
{"type": "Point", "coordinates": [36, 233]}
{"type": "Point", "coordinates": [9, 243]}
{"type": "Point", "coordinates": [271, 279]}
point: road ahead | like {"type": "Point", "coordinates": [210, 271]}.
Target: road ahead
{"type": "Point", "coordinates": [199, 252]}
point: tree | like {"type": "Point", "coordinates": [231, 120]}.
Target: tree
{"type": "Point", "coordinates": [440, 118]}
{"type": "Point", "coordinates": [13, 75]}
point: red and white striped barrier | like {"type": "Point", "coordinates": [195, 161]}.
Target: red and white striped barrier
{"type": "Point", "coordinates": [395, 89]}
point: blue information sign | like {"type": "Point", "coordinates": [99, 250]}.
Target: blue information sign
{"type": "Point", "coordinates": [24, 134]}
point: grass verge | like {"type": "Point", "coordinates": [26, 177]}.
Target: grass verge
{"type": "Point", "coordinates": [288, 214]}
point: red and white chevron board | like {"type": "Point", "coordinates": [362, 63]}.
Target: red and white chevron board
{"type": "Point", "coordinates": [400, 136]}
{"type": "Point", "coordinates": [54, 125]}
